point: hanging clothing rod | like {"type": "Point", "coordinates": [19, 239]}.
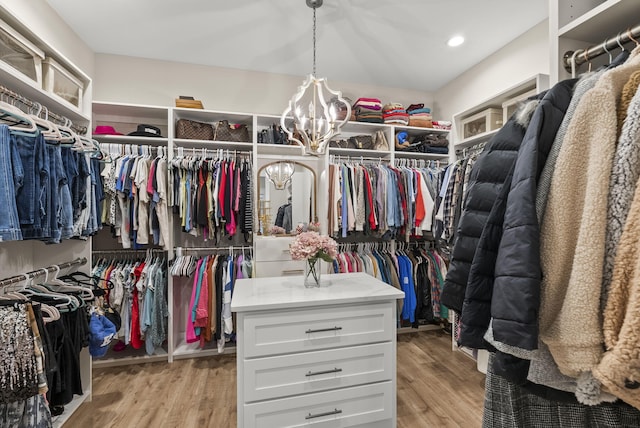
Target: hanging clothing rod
{"type": "Point", "coordinates": [186, 250]}
{"type": "Point", "coordinates": [35, 273]}
{"type": "Point", "coordinates": [127, 252]}
{"type": "Point", "coordinates": [62, 120]}
{"type": "Point", "coordinates": [581, 56]}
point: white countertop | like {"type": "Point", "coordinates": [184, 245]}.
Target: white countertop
{"type": "Point", "coordinates": [256, 294]}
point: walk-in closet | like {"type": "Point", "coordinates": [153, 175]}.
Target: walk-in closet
{"type": "Point", "coordinates": [319, 213]}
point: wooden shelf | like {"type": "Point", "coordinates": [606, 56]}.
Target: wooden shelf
{"type": "Point", "coordinates": [605, 20]}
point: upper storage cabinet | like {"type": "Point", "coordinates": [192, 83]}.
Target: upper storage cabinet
{"type": "Point", "coordinates": [482, 121]}
{"type": "Point", "coordinates": [37, 71]}
{"type": "Point", "coordinates": [579, 24]}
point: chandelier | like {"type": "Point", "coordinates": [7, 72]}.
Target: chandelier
{"type": "Point", "coordinates": [279, 173]}
{"type": "Point", "coordinates": [311, 120]}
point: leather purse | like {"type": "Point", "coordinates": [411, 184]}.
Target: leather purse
{"type": "Point", "coordinates": [380, 141]}
{"type": "Point", "coordinates": [238, 134]}
{"type": "Point", "coordinates": [273, 135]}
{"type": "Point", "coordinates": [363, 142]}
{"type": "Point", "coordinates": [192, 130]}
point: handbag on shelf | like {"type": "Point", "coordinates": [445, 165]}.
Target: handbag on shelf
{"type": "Point", "coordinates": [380, 141]}
{"type": "Point", "coordinates": [273, 135]}
{"type": "Point", "coordinates": [192, 130]}
{"type": "Point", "coordinates": [363, 142]}
{"type": "Point", "coordinates": [237, 134]}
{"type": "Point", "coordinates": [341, 144]}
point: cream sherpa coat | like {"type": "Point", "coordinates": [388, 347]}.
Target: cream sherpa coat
{"type": "Point", "coordinates": [573, 229]}
{"type": "Point", "coordinates": [619, 369]}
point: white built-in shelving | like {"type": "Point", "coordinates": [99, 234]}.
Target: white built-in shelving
{"type": "Point", "coordinates": [507, 97]}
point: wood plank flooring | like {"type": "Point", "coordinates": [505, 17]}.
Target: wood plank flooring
{"type": "Point", "coordinates": [436, 388]}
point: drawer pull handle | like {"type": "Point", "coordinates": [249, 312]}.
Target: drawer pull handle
{"type": "Point", "coordinates": [292, 271]}
{"type": "Point", "coordinates": [319, 415]}
{"type": "Point", "coordinates": [324, 329]}
{"type": "Point", "coordinates": [336, 370]}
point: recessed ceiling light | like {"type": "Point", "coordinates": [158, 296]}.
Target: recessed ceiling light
{"type": "Point", "coordinates": [455, 41]}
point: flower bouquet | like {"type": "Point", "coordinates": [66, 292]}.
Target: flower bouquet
{"type": "Point", "coordinates": [313, 247]}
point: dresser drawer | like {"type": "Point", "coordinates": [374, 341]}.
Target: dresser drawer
{"type": "Point", "coordinates": [302, 330]}
{"type": "Point", "coordinates": [281, 268]}
{"type": "Point", "coordinates": [270, 249]}
{"type": "Point", "coordinates": [349, 407]}
{"type": "Point", "coordinates": [284, 375]}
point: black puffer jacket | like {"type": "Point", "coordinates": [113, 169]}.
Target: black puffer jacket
{"type": "Point", "coordinates": [504, 280]}
{"type": "Point", "coordinates": [485, 182]}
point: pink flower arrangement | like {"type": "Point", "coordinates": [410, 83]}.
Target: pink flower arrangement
{"type": "Point", "coordinates": [312, 246]}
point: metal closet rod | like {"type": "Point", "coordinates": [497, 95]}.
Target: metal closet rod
{"type": "Point", "coordinates": [185, 250]}
{"type": "Point", "coordinates": [62, 120]}
{"type": "Point", "coordinates": [127, 252]}
{"type": "Point", "coordinates": [35, 273]}
{"type": "Point", "coordinates": [607, 46]}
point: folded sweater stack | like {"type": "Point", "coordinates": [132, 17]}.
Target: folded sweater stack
{"type": "Point", "coordinates": [420, 116]}
{"type": "Point", "coordinates": [442, 124]}
{"type": "Point", "coordinates": [368, 110]}
{"type": "Point", "coordinates": [395, 113]}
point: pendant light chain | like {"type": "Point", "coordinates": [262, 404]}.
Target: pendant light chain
{"type": "Point", "coordinates": [314, 41]}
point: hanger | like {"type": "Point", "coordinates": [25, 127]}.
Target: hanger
{"type": "Point", "coordinates": [618, 37]}
{"type": "Point", "coordinates": [604, 46]}
{"type": "Point", "coordinates": [586, 57]}
{"type": "Point", "coordinates": [17, 120]}
{"type": "Point", "coordinates": [630, 36]}
{"type": "Point", "coordinates": [85, 293]}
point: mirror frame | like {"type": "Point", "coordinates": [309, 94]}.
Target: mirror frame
{"type": "Point", "coordinates": [315, 192]}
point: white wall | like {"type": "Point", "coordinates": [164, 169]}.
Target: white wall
{"type": "Point", "coordinates": [144, 81]}
{"type": "Point", "coordinates": [520, 59]}
{"type": "Point", "coordinates": [46, 24]}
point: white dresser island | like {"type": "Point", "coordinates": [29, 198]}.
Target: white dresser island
{"type": "Point", "coordinates": [316, 356]}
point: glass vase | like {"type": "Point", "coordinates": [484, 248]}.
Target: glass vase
{"type": "Point", "coordinates": [312, 273]}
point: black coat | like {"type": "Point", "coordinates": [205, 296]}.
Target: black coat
{"type": "Point", "coordinates": [485, 183]}
{"type": "Point", "coordinates": [504, 280]}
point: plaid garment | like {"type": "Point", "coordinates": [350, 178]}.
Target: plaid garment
{"type": "Point", "coordinates": [448, 207]}
{"type": "Point", "coordinates": [507, 405]}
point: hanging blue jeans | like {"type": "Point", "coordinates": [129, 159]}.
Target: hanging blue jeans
{"type": "Point", "coordinates": [11, 178]}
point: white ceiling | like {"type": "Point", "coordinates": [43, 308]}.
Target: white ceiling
{"type": "Point", "coordinates": [395, 43]}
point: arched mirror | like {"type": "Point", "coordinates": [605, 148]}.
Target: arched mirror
{"type": "Point", "coordinates": [287, 192]}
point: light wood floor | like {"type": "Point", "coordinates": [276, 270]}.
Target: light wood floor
{"type": "Point", "coordinates": [436, 388]}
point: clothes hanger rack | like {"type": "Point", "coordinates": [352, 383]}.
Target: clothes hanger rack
{"type": "Point", "coordinates": [62, 120]}
{"type": "Point", "coordinates": [43, 271]}
{"type": "Point", "coordinates": [183, 251]}
{"type": "Point", "coordinates": [573, 59]}
{"type": "Point", "coordinates": [126, 253]}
